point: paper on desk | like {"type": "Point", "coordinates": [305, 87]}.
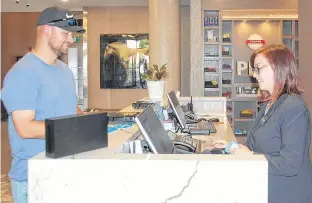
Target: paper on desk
{"type": "Point", "coordinates": [119, 126]}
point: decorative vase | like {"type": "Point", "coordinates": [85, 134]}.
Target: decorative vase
{"type": "Point", "coordinates": [156, 89]}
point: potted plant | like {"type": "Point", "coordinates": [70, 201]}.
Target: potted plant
{"type": "Point", "coordinates": [156, 80]}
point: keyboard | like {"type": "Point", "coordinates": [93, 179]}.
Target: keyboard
{"type": "Point", "coordinates": [207, 125]}
{"type": "Point", "coordinates": [187, 139]}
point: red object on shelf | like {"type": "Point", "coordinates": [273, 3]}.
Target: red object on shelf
{"type": "Point", "coordinates": [255, 42]}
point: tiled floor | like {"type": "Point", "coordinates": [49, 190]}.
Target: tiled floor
{"type": "Point", "coordinates": [5, 189]}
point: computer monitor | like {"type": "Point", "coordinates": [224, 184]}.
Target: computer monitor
{"type": "Point", "coordinates": [177, 109]}
{"type": "Point", "coordinates": [154, 132]}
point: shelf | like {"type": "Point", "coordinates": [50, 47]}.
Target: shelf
{"type": "Point", "coordinates": [244, 79]}
{"type": "Point", "coordinates": [212, 43]}
{"type": "Point", "coordinates": [240, 135]}
{"type": "Point", "coordinates": [211, 27]}
{"type": "Point", "coordinates": [211, 93]}
{"type": "Point", "coordinates": [247, 95]}
{"type": "Point", "coordinates": [244, 119]}
{"type": "Point", "coordinates": [211, 73]}
{"type": "Point", "coordinates": [211, 58]}
{"type": "Point", "coordinates": [212, 89]}
{"type": "Point", "coordinates": [246, 84]}
{"type": "Point", "coordinates": [242, 99]}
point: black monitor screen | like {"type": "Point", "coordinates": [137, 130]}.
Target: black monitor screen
{"type": "Point", "coordinates": [177, 109]}
{"type": "Point", "coordinates": [154, 132]}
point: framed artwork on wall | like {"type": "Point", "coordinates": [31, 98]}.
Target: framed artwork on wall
{"type": "Point", "coordinates": [124, 58]}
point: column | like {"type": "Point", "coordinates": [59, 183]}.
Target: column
{"type": "Point", "coordinates": [305, 46]}
{"type": "Point", "coordinates": [165, 39]}
{"type": "Point", "coordinates": [197, 73]}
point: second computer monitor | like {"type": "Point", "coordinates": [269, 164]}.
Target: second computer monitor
{"type": "Point", "coordinates": [177, 109]}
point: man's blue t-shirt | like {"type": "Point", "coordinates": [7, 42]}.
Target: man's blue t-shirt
{"type": "Point", "coordinates": [50, 91]}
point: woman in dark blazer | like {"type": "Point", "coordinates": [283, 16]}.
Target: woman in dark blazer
{"type": "Point", "coordinates": [282, 128]}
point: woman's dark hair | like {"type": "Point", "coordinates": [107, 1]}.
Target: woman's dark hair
{"type": "Point", "coordinates": [282, 61]}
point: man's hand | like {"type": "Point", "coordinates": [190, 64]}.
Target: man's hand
{"type": "Point", "coordinates": [79, 111]}
{"type": "Point", "coordinates": [26, 126]}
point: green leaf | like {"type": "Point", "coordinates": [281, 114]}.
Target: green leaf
{"type": "Point", "coordinates": [145, 76]}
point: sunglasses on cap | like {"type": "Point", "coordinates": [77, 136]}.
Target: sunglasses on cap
{"type": "Point", "coordinates": [70, 21]}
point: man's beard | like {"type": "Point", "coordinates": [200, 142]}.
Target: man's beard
{"type": "Point", "coordinates": [58, 50]}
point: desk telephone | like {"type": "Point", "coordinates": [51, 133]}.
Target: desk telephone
{"type": "Point", "coordinates": [185, 143]}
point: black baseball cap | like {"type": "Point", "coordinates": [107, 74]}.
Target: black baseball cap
{"type": "Point", "coordinates": [61, 18]}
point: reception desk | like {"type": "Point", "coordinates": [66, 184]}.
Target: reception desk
{"type": "Point", "coordinates": [108, 175]}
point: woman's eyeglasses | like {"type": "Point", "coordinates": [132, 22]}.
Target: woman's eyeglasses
{"type": "Point", "coordinates": [255, 70]}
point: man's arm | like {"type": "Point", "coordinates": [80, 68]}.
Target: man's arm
{"type": "Point", "coordinates": [19, 96]}
{"type": "Point", "coordinates": [26, 126]}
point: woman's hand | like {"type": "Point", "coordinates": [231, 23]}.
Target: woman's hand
{"type": "Point", "coordinates": [220, 143]}
{"type": "Point", "coordinates": [240, 149]}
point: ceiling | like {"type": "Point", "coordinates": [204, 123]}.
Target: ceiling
{"type": "Point", "coordinates": [38, 5]}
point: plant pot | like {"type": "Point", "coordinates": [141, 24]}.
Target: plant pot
{"type": "Point", "coordinates": [156, 90]}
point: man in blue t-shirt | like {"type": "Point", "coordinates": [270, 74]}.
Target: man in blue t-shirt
{"type": "Point", "coordinates": [37, 87]}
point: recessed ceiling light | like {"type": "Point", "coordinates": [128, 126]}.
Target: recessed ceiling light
{"type": "Point", "coordinates": [64, 0]}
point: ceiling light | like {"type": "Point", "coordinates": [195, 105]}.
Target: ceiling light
{"type": "Point", "coordinates": [64, 0]}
